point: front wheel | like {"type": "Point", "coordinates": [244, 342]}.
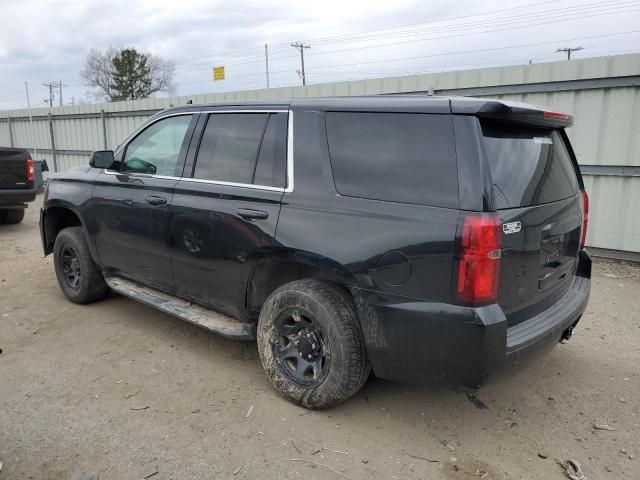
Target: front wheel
{"type": "Point", "coordinates": [311, 344]}
{"type": "Point", "coordinates": [78, 276]}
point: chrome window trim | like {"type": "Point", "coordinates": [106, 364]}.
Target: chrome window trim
{"type": "Point", "coordinates": [289, 187]}
{"type": "Point", "coordinates": [195, 180]}
{"type": "Point", "coordinates": [266, 110]}
{"type": "Point", "coordinates": [139, 175]}
{"type": "Point", "coordinates": [289, 159]}
{"type": "Point", "coordinates": [232, 184]}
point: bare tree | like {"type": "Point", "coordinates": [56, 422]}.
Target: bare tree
{"type": "Point", "coordinates": [98, 73]}
{"type": "Point", "coordinates": [162, 74]}
{"type": "Point", "coordinates": [112, 74]}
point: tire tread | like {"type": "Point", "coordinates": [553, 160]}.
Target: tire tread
{"type": "Point", "coordinates": [339, 306]}
{"type": "Point", "coordinates": [92, 287]}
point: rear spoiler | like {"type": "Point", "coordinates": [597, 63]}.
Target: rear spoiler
{"type": "Point", "coordinates": [512, 112]}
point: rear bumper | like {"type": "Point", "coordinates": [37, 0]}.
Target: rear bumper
{"type": "Point", "coordinates": [422, 342]}
{"type": "Point", "coordinates": [547, 327]}
{"type": "Point", "coordinates": [16, 196]}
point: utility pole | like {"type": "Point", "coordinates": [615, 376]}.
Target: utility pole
{"type": "Point", "coordinates": [568, 51]}
{"type": "Point", "coordinates": [266, 62]}
{"type": "Point", "coordinates": [50, 87]}
{"type": "Point", "coordinates": [301, 46]}
{"type": "Point", "coordinates": [60, 85]}
{"type": "Point", "coordinates": [26, 88]}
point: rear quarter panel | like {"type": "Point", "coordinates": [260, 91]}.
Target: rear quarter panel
{"type": "Point", "coordinates": [400, 249]}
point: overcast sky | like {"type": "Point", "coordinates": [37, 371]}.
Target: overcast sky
{"type": "Point", "coordinates": [47, 41]}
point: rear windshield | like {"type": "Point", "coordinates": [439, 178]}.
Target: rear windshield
{"type": "Point", "coordinates": [529, 166]}
{"type": "Point", "coordinates": [397, 157]}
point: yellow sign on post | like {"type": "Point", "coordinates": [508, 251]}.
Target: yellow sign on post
{"type": "Point", "coordinates": [218, 73]}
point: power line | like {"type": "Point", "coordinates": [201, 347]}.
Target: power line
{"type": "Point", "coordinates": [551, 17]}
{"type": "Point", "coordinates": [319, 40]}
{"type": "Point", "coordinates": [257, 56]}
{"type": "Point", "coordinates": [434, 55]}
{"type": "Point", "coordinates": [524, 17]}
{"type": "Point", "coordinates": [520, 18]}
{"type": "Point", "coordinates": [478, 50]}
{"type": "Point", "coordinates": [571, 17]}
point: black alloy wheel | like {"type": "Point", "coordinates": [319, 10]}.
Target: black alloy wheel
{"type": "Point", "coordinates": [311, 344]}
{"type": "Point", "coordinates": [71, 267]}
{"type": "Point", "coordinates": [78, 276]}
{"type": "Point", "coordinates": [300, 348]}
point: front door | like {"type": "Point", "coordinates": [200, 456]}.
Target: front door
{"type": "Point", "coordinates": [130, 207]}
{"type": "Point", "coordinates": [225, 211]}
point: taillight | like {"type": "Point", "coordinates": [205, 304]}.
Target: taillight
{"type": "Point", "coordinates": [585, 218]}
{"type": "Point", "coordinates": [479, 265]}
{"type": "Point", "coordinates": [31, 172]}
{"type": "Point", "coordinates": [556, 115]}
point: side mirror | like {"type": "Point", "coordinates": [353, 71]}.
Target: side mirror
{"type": "Point", "coordinates": [102, 159]}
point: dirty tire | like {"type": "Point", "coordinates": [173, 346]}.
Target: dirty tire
{"type": "Point", "coordinates": [334, 313]}
{"type": "Point", "coordinates": [11, 216]}
{"type": "Point", "coordinates": [90, 285]}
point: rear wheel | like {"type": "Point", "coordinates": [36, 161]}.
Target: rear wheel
{"type": "Point", "coordinates": [311, 345]}
{"type": "Point", "coordinates": [11, 216]}
{"type": "Point", "coordinates": [78, 276]}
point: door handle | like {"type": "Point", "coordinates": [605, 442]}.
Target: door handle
{"type": "Point", "coordinates": [249, 214]}
{"type": "Point", "coordinates": [128, 202]}
{"type": "Point", "coordinates": [153, 200]}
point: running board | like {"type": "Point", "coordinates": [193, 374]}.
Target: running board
{"type": "Point", "coordinates": [184, 310]}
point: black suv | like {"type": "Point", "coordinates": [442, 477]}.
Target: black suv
{"type": "Point", "coordinates": [426, 238]}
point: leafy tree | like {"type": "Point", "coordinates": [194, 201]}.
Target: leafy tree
{"type": "Point", "coordinates": [131, 75]}
{"type": "Point", "coordinates": [126, 74]}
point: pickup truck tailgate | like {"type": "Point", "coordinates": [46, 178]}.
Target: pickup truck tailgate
{"type": "Point", "coordinates": [13, 169]}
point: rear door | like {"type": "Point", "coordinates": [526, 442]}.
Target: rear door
{"type": "Point", "coordinates": [225, 210]}
{"type": "Point", "coordinates": [536, 190]}
{"type": "Point", "coordinates": [130, 207]}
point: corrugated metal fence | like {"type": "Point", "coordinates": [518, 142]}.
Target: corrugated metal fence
{"type": "Point", "coordinates": [602, 93]}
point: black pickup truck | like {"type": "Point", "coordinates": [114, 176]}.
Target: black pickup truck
{"type": "Point", "coordinates": [424, 238]}
{"type": "Point", "coordinates": [17, 177]}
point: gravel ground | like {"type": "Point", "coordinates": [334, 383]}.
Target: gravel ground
{"type": "Point", "coordinates": [121, 391]}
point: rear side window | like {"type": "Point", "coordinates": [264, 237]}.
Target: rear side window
{"type": "Point", "coordinates": [397, 157]}
{"type": "Point", "coordinates": [529, 166]}
{"type": "Point", "coordinates": [246, 148]}
{"type": "Point", "coordinates": [272, 159]}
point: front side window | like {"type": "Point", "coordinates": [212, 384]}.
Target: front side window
{"type": "Point", "coordinates": [156, 150]}
{"type": "Point", "coordinates": [245, 148]}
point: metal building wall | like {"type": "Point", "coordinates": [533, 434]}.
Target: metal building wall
{"type": "Point", "coordinates": [601, 93]}
{"type": "Point", "coordinates": [606, 133]}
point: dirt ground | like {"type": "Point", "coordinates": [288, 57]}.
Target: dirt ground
{"type": "Point", "coordinates": [121, 391]}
